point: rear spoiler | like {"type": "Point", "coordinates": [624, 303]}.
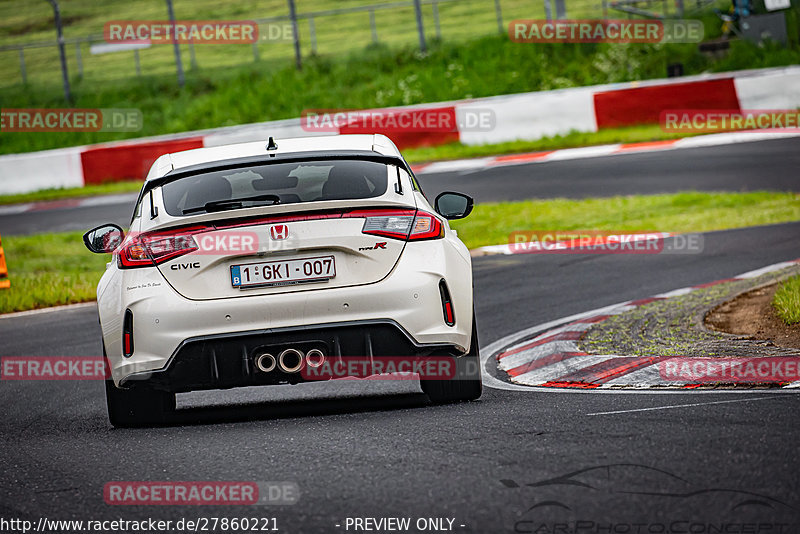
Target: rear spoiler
{"type": "Point", "coordinates": [266, 159]}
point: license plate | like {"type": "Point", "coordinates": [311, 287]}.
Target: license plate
{"type": "Point", "coordinates": [284, 272]}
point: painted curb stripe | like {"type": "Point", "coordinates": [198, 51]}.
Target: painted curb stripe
{"type": "Point", "coordinates": [602, 372]}
{"type": "Point", "coordinates": [543, 362]}
{"type": "Point", "coordinates": [552, 358]}
{"type": "Point", "coordinates": [563, 336]}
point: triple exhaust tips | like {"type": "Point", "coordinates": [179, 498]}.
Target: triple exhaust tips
{"type": "Point", "coordinates": [289, 360]}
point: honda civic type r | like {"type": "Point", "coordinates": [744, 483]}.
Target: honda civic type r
{"type": "Point", "coordinates": [258, 263]}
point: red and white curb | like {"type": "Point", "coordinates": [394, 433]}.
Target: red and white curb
{"type": "Point", "coordinates": [700, 141]}
{"type": "Point", "coordinates": [548, 356]}
{"type": "Point", "coordinates": [530, 116]}
{"type": "Point", "coordinates": [471, 165]}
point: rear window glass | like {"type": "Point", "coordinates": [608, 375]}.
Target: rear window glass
{"type": "Point", "coordinates": [287, 183]}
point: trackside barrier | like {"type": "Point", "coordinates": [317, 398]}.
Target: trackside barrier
{"type": "Point", "coordinates": [5, 283]}
{"type": "Point", "coordinates": [523, 116]}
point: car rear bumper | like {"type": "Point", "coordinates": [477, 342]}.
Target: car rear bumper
{"type": "Point", "coordinates": [169, 329]}
{"type": "Point", "coordinates": [229, 360]}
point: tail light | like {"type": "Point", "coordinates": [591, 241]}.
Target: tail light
{"type": "Point", "coordinates": [127, 334]}
{"type": "Point", "coordinates": [149, 249]}
{"type": "Point", "coordinates": [403, 224]}
{"type": "Point", "coordinates": [447, 304]}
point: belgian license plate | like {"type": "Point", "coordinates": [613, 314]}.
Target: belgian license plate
{"type": "Point", "coordinates": [284, 272]}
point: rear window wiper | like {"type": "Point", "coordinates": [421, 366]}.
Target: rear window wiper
{"type": "Point", "coordinates": [233, 203]}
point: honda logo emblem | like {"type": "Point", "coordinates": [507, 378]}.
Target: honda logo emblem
{"type": "Point", "coordinates": [279, 231]}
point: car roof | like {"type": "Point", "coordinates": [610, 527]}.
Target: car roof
{"type": "Point", "coordinates": [379, 144]}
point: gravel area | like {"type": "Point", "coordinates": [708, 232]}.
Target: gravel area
{"type": "Point", "coordinates": [675, 326]}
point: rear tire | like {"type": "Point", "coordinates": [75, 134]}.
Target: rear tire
{"type": "Point", "coordinates": [136, 406]}
{"type": "Point", "coordinates": [467, 385]}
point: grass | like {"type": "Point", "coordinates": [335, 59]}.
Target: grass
{"type": "Point", "coordinates": [413, 155]}
{"type": "Point", "coordinates": [72, 192]}
{"type": "Point", "coordinates": [377, 76]}
{"type": "Point", "coordinates": [491, 224]}
{"type": "Point", "coordinates": [23, 21]}
{"type": "Point", "coordinates": [633, 134]}
{"type": "Point", "coordinates": [787, 301]}
{"type": "Point", "coordinates": [53, 269]}
{"type": "Point", "coordinates": [49, 270]}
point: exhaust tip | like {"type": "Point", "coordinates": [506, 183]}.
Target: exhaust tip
{"type": "Point", "coordinates": [291, 360]}
{"type": "Point", "coordinates": [265, 362]}
{"type": "Point", "coordinates": [315, 358]}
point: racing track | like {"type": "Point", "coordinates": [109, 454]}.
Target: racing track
{"type": "Point", "coordinates": [759, 165]}
{"type": "Point", "coordinates": [378, 449]}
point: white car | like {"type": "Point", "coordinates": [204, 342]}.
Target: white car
{"type": "Point", "coordinates": [262, 263]}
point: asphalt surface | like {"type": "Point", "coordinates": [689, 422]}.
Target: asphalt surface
{"type": "Point", "coordinates": [514, 461]}
{"type": "Point", "coordinates": [760, 165]}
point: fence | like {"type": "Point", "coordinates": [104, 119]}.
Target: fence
{"type": "Point", "coordinates": [321, 31]}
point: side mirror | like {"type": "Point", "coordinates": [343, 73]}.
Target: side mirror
{"type": "Point", "coordinates": [103, 239]}
{"type": "Point", "coordinates": [453, 205]}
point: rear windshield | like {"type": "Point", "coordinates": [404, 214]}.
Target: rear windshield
{"type": "Point", "coordinates": [276, 183]}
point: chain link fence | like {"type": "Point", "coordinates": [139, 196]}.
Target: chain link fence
{"type": "Point", "coordinates": [320, 31]}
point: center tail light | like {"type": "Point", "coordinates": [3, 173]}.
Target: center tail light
{"type": "Point", "coordinates": [404, 225]}
{"type": "Point", "coordinates": [154, 248]}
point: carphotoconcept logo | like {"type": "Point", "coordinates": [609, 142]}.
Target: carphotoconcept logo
{"type": "Point", "coordinates": [718, 120]}
{"type": "Point", "coordinates": [70, 120]}
{"type": "Point", "coordinates": [605, 31]}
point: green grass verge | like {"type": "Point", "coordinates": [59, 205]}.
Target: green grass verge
{"type": "Point", "coordinates": [491, 224]}
{"type": "Point", "coordinates": [72, 192]}
{"type": "Point", "coordinates": [49, 270]}
{"type": "Point", "coordinates": [378, 76]}
{"type": "Point", "coordinates": [787, 301]}
{"type": "Point", "coordinates": [52, 269]}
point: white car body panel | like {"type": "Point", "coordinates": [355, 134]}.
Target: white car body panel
{"type": "Point", "coordinates": [171, 306]}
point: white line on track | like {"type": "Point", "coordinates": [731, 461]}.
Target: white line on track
{"type": "Point", "coordinates": [41, 311]}
{"type": "Point", "coordinates": [680, 406]}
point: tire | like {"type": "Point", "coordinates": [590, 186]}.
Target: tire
{"type": "Point", "coordinates": [467, 385]}
{"type": "Point", "coordinates": [137, 407]}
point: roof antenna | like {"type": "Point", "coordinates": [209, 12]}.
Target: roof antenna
{"type": "Point", "coordinates": [272, 145]}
